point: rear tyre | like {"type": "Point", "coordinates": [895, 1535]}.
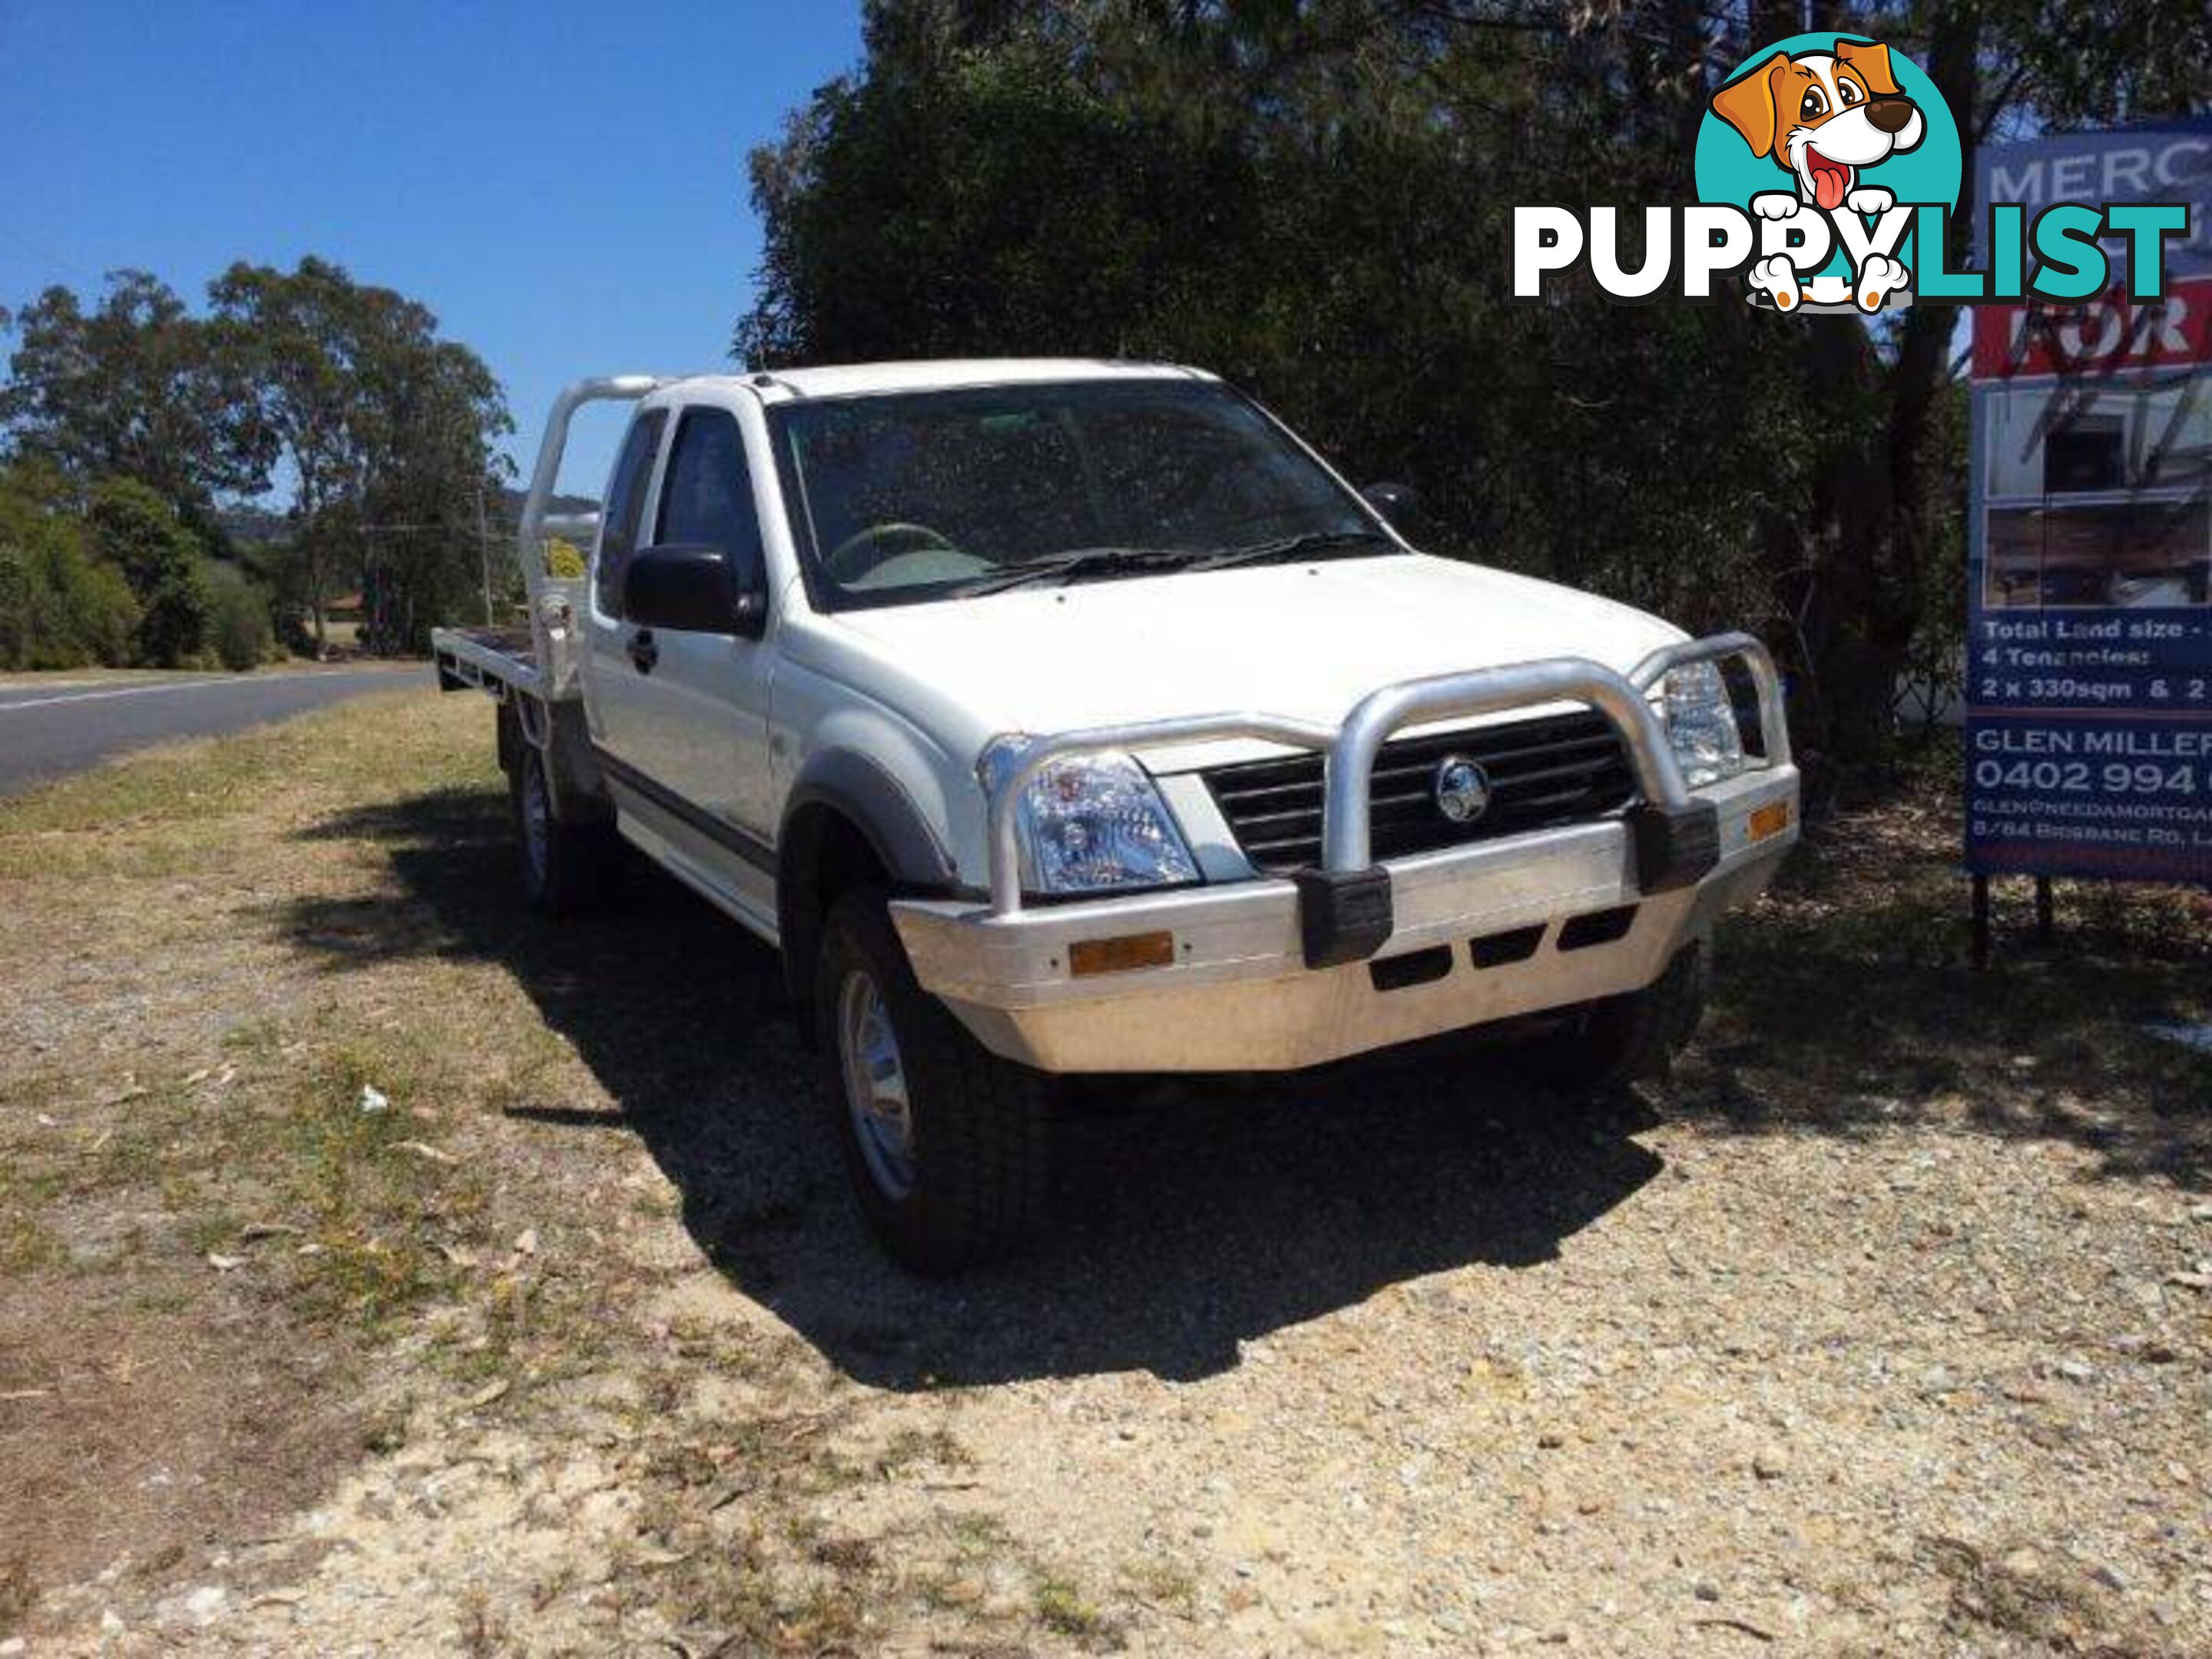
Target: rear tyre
{"type": "Point", "coordinates": [1608, 1044]}
{"type": "Point", "coordinates": [948, 1145]}
{"type": "Point", "coordinates": [567, 868]}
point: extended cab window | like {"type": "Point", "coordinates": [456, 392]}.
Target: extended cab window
{"type": "Point", "coordinates": [706, 498]}
{"type": "Point", "coordinates": [625, 506]}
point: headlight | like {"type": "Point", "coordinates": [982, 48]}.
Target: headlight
{"type": "Point", "coordinates": [1701, 725]}
{"type": "Point", "coordinates": [1091, 823]}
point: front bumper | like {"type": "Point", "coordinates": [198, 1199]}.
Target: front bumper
{"type": "Point", "coordinates": [1276, 974]}
{"type": "Point", "coordinates": [1238, 996]}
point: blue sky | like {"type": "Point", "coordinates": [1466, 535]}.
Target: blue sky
{"type": "Point", "coordinates": [562, 183]}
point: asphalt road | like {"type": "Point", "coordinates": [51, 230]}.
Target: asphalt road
{"type": "Point", "coordinates": [64, 725]}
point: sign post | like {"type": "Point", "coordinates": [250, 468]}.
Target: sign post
{"type": "Point", "coordinates": [2089, 546]}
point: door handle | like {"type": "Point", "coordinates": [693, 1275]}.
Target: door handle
{"type": "Point", "coordinates": [643, 650]}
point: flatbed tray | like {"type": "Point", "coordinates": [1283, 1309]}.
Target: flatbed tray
{"type": "Point", "coordinates": [491, 660]}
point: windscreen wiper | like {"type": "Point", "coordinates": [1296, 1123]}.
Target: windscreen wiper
{"type": "Point", "coordinates": [1078, 564]}
{"type": "Point", "coordinates": [1300, 546]}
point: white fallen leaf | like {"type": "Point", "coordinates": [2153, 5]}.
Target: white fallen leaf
{"type": "Point", "coordinates": [373, 1099]}
{"type": "Point", "coordinates": [485, 1396]}
{"type": "Point", "coordinates": [423, 1149]}
{"type": "Point", "coordinates": [223, 1264]}
{"type": "Point", "coordinates": [526, 1241]}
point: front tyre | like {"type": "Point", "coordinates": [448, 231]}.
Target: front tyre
{"type": "Point", "coordinates": [947, 1144]}
{"type": "Point", "coordinates": [1608, 1044]}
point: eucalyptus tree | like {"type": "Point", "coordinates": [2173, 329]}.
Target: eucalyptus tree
{"type": "Point", "coordinates": [371, 415]}
{"type": "Point", "coordinates": [132, 386]}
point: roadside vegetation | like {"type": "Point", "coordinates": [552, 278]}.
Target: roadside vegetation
{"type": "Point", "coordinates": [141, 443]}
{"type": "Point", "coordinates": [362, 1233]}
{"type": "Point", "coordinates": [119, 581]}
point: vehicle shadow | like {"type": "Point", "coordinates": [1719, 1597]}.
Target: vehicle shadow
{"type": "Point", "coordinates": [1190, 1220]}
{"type": "Point", "coordinates": [1847, 1010]}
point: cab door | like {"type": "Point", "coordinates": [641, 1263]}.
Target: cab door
{"type": "Point", "coordinates": [711, 690]}
{"type": "Point", "coordinates": [618, 704]}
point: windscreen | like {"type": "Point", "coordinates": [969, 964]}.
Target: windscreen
{"type": "Point", "coordinates": [909, 497]}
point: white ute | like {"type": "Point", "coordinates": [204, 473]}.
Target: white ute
{"type": "Point", "coordinates": [1063, 717]}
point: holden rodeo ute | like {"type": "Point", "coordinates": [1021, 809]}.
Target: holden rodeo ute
{"type": "Point", "coordinates": [1071, 717]}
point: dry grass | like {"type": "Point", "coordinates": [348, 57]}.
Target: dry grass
{"type": "Point", "coordinates": [260, 929]}
{"type": "Point", "coordinates": [181, 1145]}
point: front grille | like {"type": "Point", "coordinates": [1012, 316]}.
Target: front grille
{"type": "Point", "coordinates": [1564, 768]}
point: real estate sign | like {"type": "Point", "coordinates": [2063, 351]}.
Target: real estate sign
{"type": "Point", "coordinates": [2089, 642]}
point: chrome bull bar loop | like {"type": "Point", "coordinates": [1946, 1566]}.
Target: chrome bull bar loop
{"type": "Point", "coordinates": [1773, 720]}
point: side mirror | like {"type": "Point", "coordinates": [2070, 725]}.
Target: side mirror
{"type": "Point", "coordinates": [1400, 506]}
{"type": "Point", "coordinates": [694, 589]}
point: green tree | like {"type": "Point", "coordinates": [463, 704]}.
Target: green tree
{"type": "Point", "coordinates": [387, 431]}
{"type": "Point", "coordinates": [59, 608]}
{"type": "Point", "coordinates": [140, 534]}
{"type": "Point", "coordinates": [135, 387]}
{"type": "Point", "coordinates": [239, 629]}
{"type": "Point", "coordinates": [292, 336]}
{"type": "Point", "coordinates": [428, 505]}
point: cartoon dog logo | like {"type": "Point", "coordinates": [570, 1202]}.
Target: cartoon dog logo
{"type": "Point", "coordinates": [1825, 118]}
